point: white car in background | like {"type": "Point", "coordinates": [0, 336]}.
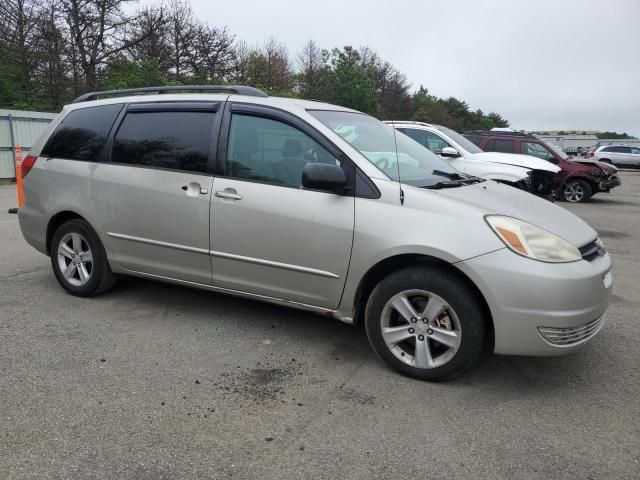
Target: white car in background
{"type": "Point", "coordinates": [619, 155]}
{"type": "Point", "coordinates": [522, 171]}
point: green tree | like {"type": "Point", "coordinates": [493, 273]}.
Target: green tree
{"type": "Point", "coordinates": [497, 120]}
{"type": "Point", "coordinates": [354, 82]}
{"type": "Point", "coordinates": [123, 73]}
{"type": "Point", "coordinates": [615, 135]}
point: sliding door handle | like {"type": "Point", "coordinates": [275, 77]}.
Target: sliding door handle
{"type": "Point", "coordinates": [228, 193]}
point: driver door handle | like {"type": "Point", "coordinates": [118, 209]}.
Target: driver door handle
{"type": "Point", "coordinates": [228, 193]}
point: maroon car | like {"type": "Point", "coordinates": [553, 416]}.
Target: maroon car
{"type": "Point", "coordinates": [577, 181]}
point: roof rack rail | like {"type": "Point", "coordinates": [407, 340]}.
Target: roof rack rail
{"type": "Point", "coordinates": [239, 89]}
{"type": "Point", "coordinates": [499, 133]}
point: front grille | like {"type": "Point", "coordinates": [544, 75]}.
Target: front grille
{"type": "Point", "coordinates": [589, 251]}
{"type": "Point", "coordinates": [571, 335]}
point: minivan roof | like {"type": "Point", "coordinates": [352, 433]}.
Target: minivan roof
{"type": "Point", "coordinates": [282, 102]}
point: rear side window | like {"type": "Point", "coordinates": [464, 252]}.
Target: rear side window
{"type": "Point", "coordinates": [504, 146]}
{"type": "Point", "coordinates": [175, 140]}
{"type": "Point", "coordinates": [82, 133]}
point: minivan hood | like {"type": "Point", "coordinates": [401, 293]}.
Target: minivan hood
{"type": "Point", "coordinates": [494, 198]}
{"type": "Point", "coordinates": [526, 161]}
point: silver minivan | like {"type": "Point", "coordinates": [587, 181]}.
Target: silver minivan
{"type": "Point", "coordinates": [313, 206]}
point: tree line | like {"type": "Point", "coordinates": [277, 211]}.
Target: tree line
{"type": "Point", "coordinates": [54, 50]}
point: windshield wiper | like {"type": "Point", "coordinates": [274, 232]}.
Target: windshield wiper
{"type": "Point", "coordinates": [439, 185]}
{"type": "Point", "coordinates": [449, 175]}
{"type": "Point", "coordinates": [470, 180]}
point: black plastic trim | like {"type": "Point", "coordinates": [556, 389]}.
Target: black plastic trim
{"type": "Point", "coordinates": [203, 106]}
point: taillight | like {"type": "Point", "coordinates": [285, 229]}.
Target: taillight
{"type": "Point", "coordinates": [27, 164]}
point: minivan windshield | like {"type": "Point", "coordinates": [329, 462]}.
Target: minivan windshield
{"type": "Point", "coordinates": [460, 140]}
{"type": "Point", "coordinates": [399, 157]}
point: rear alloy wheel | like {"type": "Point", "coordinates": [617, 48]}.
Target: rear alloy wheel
{"type": "Point", "coordinates": [577, 191]}
{"type": "Point", "coordinates": [425, 323]}
{"type": "Point", "coordinates": [79, 260]}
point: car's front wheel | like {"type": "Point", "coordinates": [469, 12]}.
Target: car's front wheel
{"type": "Point", "coordinates": [577, 191]}
{"type": "Point", "coordinates": [79, 261]}
{"type": "Point", "coordinates": [426, 323]}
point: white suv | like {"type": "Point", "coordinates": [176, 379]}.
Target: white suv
{"type": "Point", "coordinates": [619, 155]}
{"type": "Point", "coordinates": [523, 171]}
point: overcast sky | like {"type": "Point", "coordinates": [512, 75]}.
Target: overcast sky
{"type": "Point", "coordinates": [542, 64]}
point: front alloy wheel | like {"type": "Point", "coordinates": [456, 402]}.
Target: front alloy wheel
{"type": "Point", "coordinates": [427, 322]}
{"type": "Point", "coordinates": [577, 191]}
{"type": "Point", "coordinates": [421, 329]}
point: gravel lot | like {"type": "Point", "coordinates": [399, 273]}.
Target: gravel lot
{"type": "Point", "coordinates": [154, 381]}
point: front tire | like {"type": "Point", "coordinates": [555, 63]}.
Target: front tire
{"type": "Point", "coordinates": [577, 191]}
{"type": "Point", "coordinates": [79, 260]}
{"type": "Point", "coordinates": [426, 323]}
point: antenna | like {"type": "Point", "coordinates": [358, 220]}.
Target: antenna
{"type": "Point", "coordinates": [395, 142]}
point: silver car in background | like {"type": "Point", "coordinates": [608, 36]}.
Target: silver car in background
{"type": "Point", "coordinates": [618, 155]}
{"type": "Point", "coordinates": [316, 207]}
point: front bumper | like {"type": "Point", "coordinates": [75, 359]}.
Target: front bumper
{"type": "Point", "coordinates": [541, 308]}
{"type": "Point", "coordinates": [610, 182]}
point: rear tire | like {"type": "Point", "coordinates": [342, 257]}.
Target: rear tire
{"type": "Point", "coordinates": [79, 260]}
{"type": "Point", "coordinates": [577, 191]}
{"type": "Point", "coordinates": [445, 337]}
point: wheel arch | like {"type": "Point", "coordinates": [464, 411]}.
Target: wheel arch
{"type": "Point", "coordinates": [384, 267]}
{"type": "Point", "coordinates": [592, 183]}
{"type": "Point", "coordinates": [58, 219]}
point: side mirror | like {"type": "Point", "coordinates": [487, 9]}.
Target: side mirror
{"type": "Point", "coordinates": [321, 176]}
{"type": "Point", "coordinates": [449, 152]}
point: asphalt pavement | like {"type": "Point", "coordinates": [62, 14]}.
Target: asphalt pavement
{"type": "Point", "coordinates": [154, 381]}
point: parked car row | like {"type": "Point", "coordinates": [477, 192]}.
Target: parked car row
{"type": "Point", "coordinates": [530, 174]}
{"type": "Point", "coordinates": [322, 208]}
{"type": "Point", "coordinates": [578, 179]}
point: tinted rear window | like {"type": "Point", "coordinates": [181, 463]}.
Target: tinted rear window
{"type": "Point", "coordinates": [82, 133]}
{"type": "Point", "coordinates": [175, 140]}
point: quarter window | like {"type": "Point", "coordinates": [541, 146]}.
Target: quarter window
{"type": "Point", "coordinates": [82, 133]}
{"type": "Point", "coordinates": [271, 151]}
{"type": "Point", "coordinates": [175, 140]}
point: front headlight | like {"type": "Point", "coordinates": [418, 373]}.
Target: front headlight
{"type": "Point", "coordinates": [531, 241]}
